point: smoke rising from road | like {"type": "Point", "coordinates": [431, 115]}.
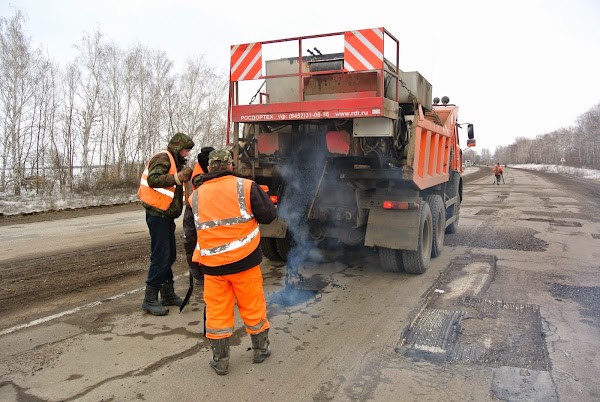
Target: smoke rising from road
{"type": "Point", "coordinates": [301, 175]}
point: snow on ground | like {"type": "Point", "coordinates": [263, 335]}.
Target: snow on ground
{"type": "Point", "coordinates": [567, 170]}
{"type": "Point", "coordinates": [29, 202]}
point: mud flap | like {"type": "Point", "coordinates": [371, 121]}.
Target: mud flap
{"type": "Point", "coordinates": [276, 229]}
{"type": "Point", "coordinates": [395, 229]}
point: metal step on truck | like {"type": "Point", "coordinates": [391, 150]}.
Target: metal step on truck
{"type": "Point", "coordinates": [353, 150]}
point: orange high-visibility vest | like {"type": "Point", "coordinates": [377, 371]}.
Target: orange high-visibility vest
{"type": "Point", "coordinates": [197, 170]}
{"type": "Point", "coordinates": [158, 197]}
{"type": "Point", "coordinates": [226, 228]}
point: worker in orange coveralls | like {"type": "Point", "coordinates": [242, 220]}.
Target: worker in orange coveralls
{"type": "Point", "coordinates": [227, 210]}
{"type": "Point", "coordinates": [498, 172]}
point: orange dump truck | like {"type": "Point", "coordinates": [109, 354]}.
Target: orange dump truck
{"type": "Point", "coordinates": [353, 150]}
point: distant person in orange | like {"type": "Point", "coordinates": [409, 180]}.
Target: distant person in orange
{"type": "Point", "coordinates": [227, 210]}
{"type": "Point", "coordinates": [498, 172]}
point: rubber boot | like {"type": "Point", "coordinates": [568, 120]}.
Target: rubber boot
{"type": "Point", "coordinates": [168, 296]}
{"type": "Point", "coordinates": [220, 360]}
{"type": "Point", "coordinates": [151, 304]}
{"type": "Point", "coordinates": [260, 346]}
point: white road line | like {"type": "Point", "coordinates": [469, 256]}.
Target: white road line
{"type": "Point", "coordinates": [64, 313]}
{"type": "Point", "coordinates": [69, 312]}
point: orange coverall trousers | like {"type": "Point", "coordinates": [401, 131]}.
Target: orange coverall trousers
{"type": "Point", "coordinates": [220, 295]}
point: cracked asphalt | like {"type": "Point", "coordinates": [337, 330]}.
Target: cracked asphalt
{"type": "Point", "coordinates": [509, 311]}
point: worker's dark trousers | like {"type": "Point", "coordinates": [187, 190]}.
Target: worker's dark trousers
{"type": "Point", "coordinates": [163, 251]}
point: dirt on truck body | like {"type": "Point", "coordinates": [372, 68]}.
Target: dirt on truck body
{"type": "Point", "coordinates": [353, 150]}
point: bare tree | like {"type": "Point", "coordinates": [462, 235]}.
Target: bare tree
{"type": "Point", "coordinates": [200, 108]}
{"type": "Point", "coordinates": [139, 75]}
{"type": "Point", "coordinates": [157, 124]}
{"type": "Point", "coordinates": [191, 92]}
{"type": "Point", "coordinates": [115, 110]}
{"type": "Point", "coordinates": [17, 80]}
{"type": "Point", "coordinates": [63, 138]}
{"type": "Point", "coordinates": [46, 105]}
{"type": "Point", "coordinates": [588, 125]}
{"type": "Point", "coordinates": [216, 109]}
{"type": "Point", "coordinates": [129, 138]}
{"type": "Point", "coordinates": [91, 59]}
{"type": "Point", "coordinates": [486, 156]}
{"type": "Point", "coordinates": [107, 107]}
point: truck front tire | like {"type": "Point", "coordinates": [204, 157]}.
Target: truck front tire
{"type": "Point", "coordinates": [268, 246]}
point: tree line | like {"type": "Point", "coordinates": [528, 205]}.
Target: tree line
{"type": "Point", "coordinates": [96, 121]}
{"type": "Point", "coordinates": [577, 146]}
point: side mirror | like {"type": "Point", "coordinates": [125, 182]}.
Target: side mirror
{"type": "Point", "coordinates": [471, 132]}
{"type": "Point", "coordinates": [470, 143]}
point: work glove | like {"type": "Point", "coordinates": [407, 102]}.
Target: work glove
{"type": "Point", "coordinates": [185, 174]}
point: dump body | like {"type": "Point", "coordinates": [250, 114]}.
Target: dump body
{"type": "Point", "coordinates": [352, 148]}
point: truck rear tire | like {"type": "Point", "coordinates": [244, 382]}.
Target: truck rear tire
{"type": "Point", "coordinates": [390, 259]}
{"type": "Point", "coordinates": [417, 261]}
{"type": "Point", "coordinates": [454, 190]}
{"type": "Point", "coordinates": [453, 227]}
{"type": "Point", "coordinates": [288, 245]}
{"type": "Point", "coordinates": [283, 247]}
{"type": "Point", "coordinates": [438, 214]}
{"type": "Point", "coordinates": [268, 246]}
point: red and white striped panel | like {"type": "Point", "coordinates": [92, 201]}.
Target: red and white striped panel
{"type": "Point", "coordinates": [246, 62]}
{"type": "Point", "coordinates": [363, 49]}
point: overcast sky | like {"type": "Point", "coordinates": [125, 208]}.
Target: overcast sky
{"type": "Point", "coordinates": [515, 67]}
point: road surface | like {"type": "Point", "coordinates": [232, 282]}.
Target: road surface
{"type": "Point", "coordinates": [509, 311]}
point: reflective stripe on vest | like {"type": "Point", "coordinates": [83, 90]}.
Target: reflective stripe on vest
{"type": "Point", "coordinates": [243, 219]}
{"type": "Point", "coordinates": [234, 245]}
{"type": "Point", "coordinates": [244, 215]}
{"type": "Point", "coordinates": [158, 197]}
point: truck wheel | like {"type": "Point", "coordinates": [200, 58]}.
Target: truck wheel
{"type": "Point", "coordinates": [417, 262]}
{"type": "Point", "coordinates": [438, 215]}
{"type": "Point", "coordinates": [453, 227]}
{"type": "Point", "coordinates": [330, 249]}
{"type": "Point", "coordinates": [283, 247]}
{"type": "Point", "coordinates": [390, 259]}
{"type": "Point", "coordinates": [454, 189]}
{"type": "Point", "coordinates": [268, 246]}
{"type": "Point", "coordinates": [287, 244]}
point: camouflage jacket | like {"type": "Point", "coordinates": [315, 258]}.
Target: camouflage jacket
{"type": "Point", "coordinates": [158, 175]}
